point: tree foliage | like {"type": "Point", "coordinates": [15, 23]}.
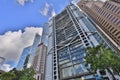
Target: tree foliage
{"type": "Point", "coordinates": [102, 58]}
{"type": "Point", "coordinates": [7, 76]}
{"type": "Point", "coordinates": [26, 74]}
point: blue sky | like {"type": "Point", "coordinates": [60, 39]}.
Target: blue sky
{"type": "Point", "coordinates": [19, 23]}
{"type": "Point", "coordinates": [14, 16]}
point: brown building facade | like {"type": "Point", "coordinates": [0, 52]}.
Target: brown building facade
{"type": "Point", "coordinates": [107, 16]}
{"type": "Point", "coordinates": [39, 61]}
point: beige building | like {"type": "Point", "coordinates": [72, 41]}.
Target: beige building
{"type": "Point", "coordinates": [39, 61]}
{"type": "Point", "coordinates": [107, 16]}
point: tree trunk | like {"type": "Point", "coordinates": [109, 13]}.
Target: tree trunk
{"type": "Point", "coordinates": [111, 74]}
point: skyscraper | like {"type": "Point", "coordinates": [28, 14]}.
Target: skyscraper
{"type": "Point", "coordinates": [70, 33]}
{"type": "Point", "coordinates": [26, 61]}
{"type": "Point", "coordinates": [39, 61]}
{"type": "Point", "coordinates": [44, 38]}
{"type": "Point", "coordinates": [23, 57]}
{"type": "Point", "coordinates": [33, 49]}
{"type": "Point", "coordinates": [107, 16]}
{"type": "Point", "coordinates": [28, 53]}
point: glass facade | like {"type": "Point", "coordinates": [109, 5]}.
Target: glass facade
{"type": "Point", "coordinates": [70, 34]}
{"type": "Point", "coordinates": [33, 49]}
{"type": "Point", "coordinates": [45, 34]}
{"type": "Point", "coordinates": [23, 58]}
{"type": "Point", "coordinates": [28, 51]}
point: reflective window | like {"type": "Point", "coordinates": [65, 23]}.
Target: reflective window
{"type": "Point", "coordinates": [67, 72]}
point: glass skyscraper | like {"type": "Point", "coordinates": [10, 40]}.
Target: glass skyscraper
{"type": "Point", "coordinates": [21, 62]}
{"type": "Point", "coordinates": [33, 49]}
{"type": "Point", "coordinates": [28, 51]}
{"type": "Point", "coordinates": [70, 33]}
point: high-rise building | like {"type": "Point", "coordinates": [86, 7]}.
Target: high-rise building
{"type": "Point", "coordinates": [28, 53]}
{"type": "Point", "coordinates": [23, 57]}
{"type": "Point", "coordinates": [107, 16]}
{"type": "Point", "coordinates": [33, 49]}
{"type": "Point", "coordinates": [39, 61]}
{"type": "Point", "coordinates": [70, 33]}
{"type": "Point", "coordinates": [26, 61]}
{"type": "Point", "coordinates": [44, 38]}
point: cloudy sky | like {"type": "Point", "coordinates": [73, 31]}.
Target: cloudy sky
{"type": "Point", "coordinates": [19, 21]}
{"type": "Point", "coordinates": [13, 42]}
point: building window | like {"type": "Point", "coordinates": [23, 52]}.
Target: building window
{"type": "Point", "coordinates": [66, 72]}
{"type": "Point", "coordinates": [108, 6]}
{"type": "Point", "coordinates": [55, 77]}
{"type": "Point", "coordinates": [114, 31]}
{"type": "Point", "coordinates": [110, 17]}
{"type": "Point", "coordinates": [118, 23]}
{"type": "Point", "coordinates": [111, 6]}
{"type": "Point", "coordinates": [117, 33]}
{"type": "Point", "coordinates": [118, 37]}
{"type": "Point", "coordinates": [115, 21]}
{"type": "Point", "coordinates": [116, 9]}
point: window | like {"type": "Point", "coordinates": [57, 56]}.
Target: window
{"type": "Point", "coordinates": [118, 22]}
{"type": "Point", "coordinates": [116, 9]}
{"type": "Point", "coordinates": [118, 37]}
{"type": "Point", "coordinates": [108, 6]}
{"type": "Point", "coordinates": [55, 77]}
{"type": "Point", "coordinates": [78, 69]}
{"type": "Point", "coordinates": [111, 6]}
{"type": "Point", "coordinates": [66, 72]}
{"type": "Point", "coordinates": [117, 33]}
{"type": "Point", "coordinates": [108, 15]}
{"type": "Point", "coordinates": [115, 21]}
{"type": "Point", "coordinates": [112, 18]}
{"type": "Point", "coordinates": [113, 9]}
{"type": "Point", "coordinates": [114, 31]}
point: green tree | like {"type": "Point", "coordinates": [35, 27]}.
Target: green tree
{"type": "Point", "coordinates": [27, 74]}
{"type": "Point", "coordinates": [17, 73]}
{"type": "Point", "coordinates": [102, 58]}
{"type": "Point", "coordinates": [7, 76]}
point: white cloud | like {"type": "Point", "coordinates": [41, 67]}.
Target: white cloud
{"type": "Point", "coordinates": [12, 43]}
{"type": "Point", "coordinates": [22, 2]}
{"type": "Point", "coordinates": [48, 10]}
{"type": "Point", "coordinates": [6, 67]}
{"type": "Point", "coordinates": [45, 10]}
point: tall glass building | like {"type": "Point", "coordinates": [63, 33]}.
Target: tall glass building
{"type": "Point", "coordinates": [33, 49]}
{"type": "Point", "coordinates": [39, 61]}
{"type": "Point", "coordinates": [70, 33]}
{"type": "Point", "coordinates": [23, 57]}
{"type": "Point", "coordinates": [28, 54]}
{"type": "Point", "coordinates": [44, 38]}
